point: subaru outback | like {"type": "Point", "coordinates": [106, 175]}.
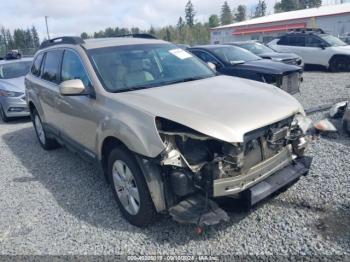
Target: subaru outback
{"type": "Point", "coordinates": [169, 134]}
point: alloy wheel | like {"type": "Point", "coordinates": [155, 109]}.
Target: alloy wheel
{"type": "Point", "coordinates": [126, 188]}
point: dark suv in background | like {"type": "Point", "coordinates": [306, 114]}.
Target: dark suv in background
{"type": "Point", "coordinates": [236, 61]}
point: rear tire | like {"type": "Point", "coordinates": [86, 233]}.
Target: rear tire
{"type": "Point", "coordinates": [3, 116]}
{"type": "Point", "coordinates": [346, 127]}
{"type": "Point", "coordinates": [339, 64]}
{"type": "Point", "coordinates": [130, 188]}
{"type": "Point", "coordinates": [46, 142]}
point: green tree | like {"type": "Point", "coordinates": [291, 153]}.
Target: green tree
{"type": "Point", "coordinates": [135, 30]}
{"type": "Point", "coordinates": [214, 21]}
{"type": "Point", "coordinates": [28, 39]}
{"type": "Point", "coordinates": [152, 31]}
{"type": "Point", "coordinates": [18, 39]}
{"type": "Point", "coordinates": [226, 14]}
{"type": "Point", "coordinates": [84, 35]}
{"type": "Point", "coordinates": [241, 13]}
{"type": "Point", "coordinates": [189, 13]}
{"type": "Point", "coordinates": [303, 4]}
{"type": "Point", "coordinates": [35, 37]}
{"type": "Point", "coordinates": [286, 5]}
{"type": "Point", "coordinates": [9, 40]}
{"type": "Point", "coordinates": [260, 9]}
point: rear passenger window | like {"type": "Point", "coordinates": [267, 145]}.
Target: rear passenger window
{"type": "Point", "coordinates": [51, 66]}
{"type": "Point", "coordinates": [37, 64]}
{"type": "Point", "coordinates": [297, 40]}
{"type": "Point", "coordinates": [72, 68]}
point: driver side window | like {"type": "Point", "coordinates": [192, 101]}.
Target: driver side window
{"type": "Point", "coordinates": [72, 68]}
{"type": "Point", "coordinates": [312, 41]}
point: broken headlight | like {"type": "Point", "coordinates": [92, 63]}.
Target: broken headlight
{"type": "Point", "coordinates": [189, 148]}
{"type": "Point", "coordinates": [299, 129]}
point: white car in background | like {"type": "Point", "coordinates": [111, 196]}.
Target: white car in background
{"type": "Point", "coordinates": [316, 48]}
{"type": "Point", "coordinates": [12, 90]}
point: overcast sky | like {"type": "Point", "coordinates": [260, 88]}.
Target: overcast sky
{"type": "Point", "coordinates": [71, 17]}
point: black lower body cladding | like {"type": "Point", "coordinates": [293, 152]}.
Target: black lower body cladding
{"type": "Point", "coordinates": [277, 181]}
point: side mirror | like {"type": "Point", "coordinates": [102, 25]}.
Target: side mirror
{"type": "Point", "coordinates": [212, 66]}
{"type": "Point", "coordinates": [323, 45]}
{"type": "Point", "coordinates": [72, 87]}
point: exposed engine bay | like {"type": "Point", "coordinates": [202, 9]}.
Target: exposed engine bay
{"type": "Point", "coordinates": [201, 158]}
{"type": "Point", "coordinates": [196, 163]}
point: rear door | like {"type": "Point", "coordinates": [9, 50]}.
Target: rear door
{"type": "Point", "coordinates": [49, 91]}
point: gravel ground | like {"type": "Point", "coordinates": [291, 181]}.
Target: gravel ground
{"type": "Point", "coordinates": [55, 203]}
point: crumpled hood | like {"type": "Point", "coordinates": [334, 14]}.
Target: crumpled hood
{"type": "Point", "coordinates": [266, 66]}
{"type": "Point", "coordinates": [13, 84]}
{"type": "Point", "coordinates": [222, 107]}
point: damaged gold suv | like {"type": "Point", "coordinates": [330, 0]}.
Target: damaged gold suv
{"type": "Point", "coordinates": [169, 133]}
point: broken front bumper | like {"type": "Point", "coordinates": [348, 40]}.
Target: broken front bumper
{"type": "Point", "coordinates": [233, 185]}
{"type": "Point", "coordinates": [280, 179]}
{"type": "Point", "coordinates": [282, 164]}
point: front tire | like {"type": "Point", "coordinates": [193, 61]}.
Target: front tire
{"type": "Point", "coordinates": [3, 116]}
{"type": "Point", "coordinates": [130, 189]}
{"type": "Point", "coordinates": [46, 142]}
{"type": "Point", "coordinates": [346, 126]}
{"type": "Point", "coordinates": [339, 64]}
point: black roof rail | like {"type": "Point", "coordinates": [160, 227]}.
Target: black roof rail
{"type": "Point", "coordinates": [74, 40]}
{"type": "Point", "coordinates": [306, 30]}
{"type": "Point", "coordinates": [147, 36]}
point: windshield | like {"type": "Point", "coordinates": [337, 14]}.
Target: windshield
{"type": "Point", "coordinates": [125, 68]}
{"type": "Point", "coordinates": [13, 70]}
{"type": "Point", "coordinates": [257, 48]}
{"type": "Point", "coordinates": [332, 40]}
{"type": "Point", "coordinates": [234, 54]}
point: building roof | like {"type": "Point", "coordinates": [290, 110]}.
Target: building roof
{"type": "Point", "coordinates": [292, 15]}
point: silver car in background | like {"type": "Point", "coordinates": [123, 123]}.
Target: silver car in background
{"type": "Point", "coordinates": [12, 97]}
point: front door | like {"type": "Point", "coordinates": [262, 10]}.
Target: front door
{"type": "Point", "coordinates": [77, 118]}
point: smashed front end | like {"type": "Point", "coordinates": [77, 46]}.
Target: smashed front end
{"type": "Point", "coordinates": [198, 168]}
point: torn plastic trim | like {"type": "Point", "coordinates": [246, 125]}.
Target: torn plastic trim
{"type": "Point", "coordinates": [198, 210]}
{"type": "Point", "coordinates": [152, 174]}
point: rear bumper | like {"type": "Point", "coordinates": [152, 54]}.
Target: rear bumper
{"type": "Point", "coordinates": [14, 106]}
{"type": "Point", "coordinates": [277, 181]}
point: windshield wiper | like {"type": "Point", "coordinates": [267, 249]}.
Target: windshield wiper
{"type": "Point", "coordinates": [133, 88]}
{"type": "Point", "coordinates": [188, 79]}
